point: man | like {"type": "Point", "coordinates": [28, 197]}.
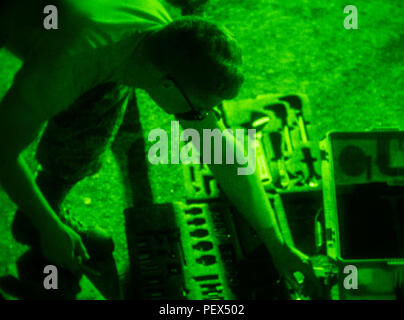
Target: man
{"type": "Point", "coordinates": [78, 78]}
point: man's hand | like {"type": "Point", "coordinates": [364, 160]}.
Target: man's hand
{"type": "Point", "coordinates": [289, 262]}
{"type": "Point", "coordinates": [63, 246]}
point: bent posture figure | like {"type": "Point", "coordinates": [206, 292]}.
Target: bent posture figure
{"type": "Point", "coordinates": [78, 78]}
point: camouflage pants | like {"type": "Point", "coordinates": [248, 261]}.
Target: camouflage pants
{"type": "Point", "coordinates": [73, 142]}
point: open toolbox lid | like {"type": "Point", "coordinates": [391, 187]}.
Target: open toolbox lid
{"type": "Point", "coordinates": [286, 144]}
{"type": "Point", "coordinates": [363, 189]}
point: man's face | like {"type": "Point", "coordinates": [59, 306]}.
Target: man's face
{"type": "Point", "coordinates": [173, 98]}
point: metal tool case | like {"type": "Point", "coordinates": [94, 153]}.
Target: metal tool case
{"type": "Point", "coordinates": [363, 189]}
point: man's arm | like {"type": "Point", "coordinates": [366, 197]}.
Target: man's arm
{"type": "Point", "coordinates": [20, 123]}
{"type": "Point", "coordinates": [22, 112]}
{"type": "Point", "coordinates": [246, 192]}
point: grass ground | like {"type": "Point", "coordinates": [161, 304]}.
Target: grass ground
{"type": "Point", "coordinates": [353, 78]}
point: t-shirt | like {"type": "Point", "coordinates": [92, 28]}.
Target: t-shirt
{"type": "Point", "coordinates": [92, 38]}
{"type": "Point", "coordinates": [82, 24]}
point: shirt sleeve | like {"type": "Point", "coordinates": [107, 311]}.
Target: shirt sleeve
{"type": "Point", "coordinates": [46, 87]}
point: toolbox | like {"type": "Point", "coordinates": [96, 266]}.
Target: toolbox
{"type": "Point", "coordinates": [360, 179]}
{"type": "Point", "coordinates": [286, 146]}
{"type": "Point", "coordinates": [363, 193]}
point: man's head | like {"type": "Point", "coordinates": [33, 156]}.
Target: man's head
{"type": "Point", "coordinates": [199, 63]}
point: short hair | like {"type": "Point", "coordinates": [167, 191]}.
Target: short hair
{"type": "Point", "coordinates": [203, 56]}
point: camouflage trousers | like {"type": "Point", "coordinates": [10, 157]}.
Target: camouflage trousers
{"type": "Point", "coordinates": [74, 141]}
